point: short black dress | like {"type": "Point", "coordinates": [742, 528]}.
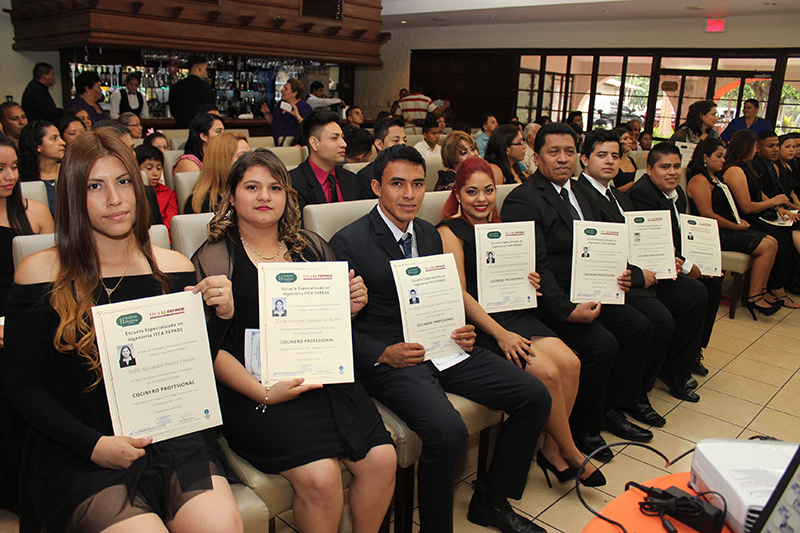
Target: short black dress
{"type": "Point", "coordinates": [66, 418]}
{"type": "Point", "coordinates": [334, 421]}
{"type": "Point", "coordinates": [624, 178]}
{"type": "Point", "coordinates": [524, 322]}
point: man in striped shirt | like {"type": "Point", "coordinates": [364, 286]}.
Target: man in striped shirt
{"type": "Point", "coordinates": [415, 107]}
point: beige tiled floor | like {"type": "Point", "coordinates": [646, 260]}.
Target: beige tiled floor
{"type": "Point", "coordinates": [753, 389]}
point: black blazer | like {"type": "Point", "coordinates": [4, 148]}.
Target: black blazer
{"type": "Point", "coordinates": [309, 191]}
{"type": "Point", "coordinates": [368, 245]}
{"type": "Point", "coordinates": [365, 177]}
{"type": "Point", "coordinates": [609, 213]}
{"type": "Point", "coordinates": [38, 104]}
{"type": "Point", "coordinates": [536, 199]}
{"type": "Point", "coordinates": [647, 197]}
{"type": "Point", "coordinates": [187, 94]}
{"type": "Point", "coordinates": [767, 176]}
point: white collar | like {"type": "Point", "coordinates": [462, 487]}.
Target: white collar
{"type": "Point", "coordinates": [396, 232]}
{"type": "Point", "coordinates": [596, 184]}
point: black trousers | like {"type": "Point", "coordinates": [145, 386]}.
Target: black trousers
{"type": "Point", "coordinates": [417, 395]}
{"type": "Point", "coordinates": [785, 268]}
{"type": "Point", "coordinates": [714, 290]}
{"type": "Point", "coordinates": [613, 352]}
{"type": "Point", "coordinates": [663, 328]}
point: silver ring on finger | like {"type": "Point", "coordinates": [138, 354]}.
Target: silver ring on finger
{"type": "Point", "coordinates": [221, 291]}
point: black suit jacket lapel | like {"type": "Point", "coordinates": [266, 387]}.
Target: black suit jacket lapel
{"type": "Point", "coordinates": [384, 235]}
{"type": "Point", "coordinates": [611, 211]}
{"type": "Point", "coordinates": [552, 197]}
{"type": "Point", "coordinates": [349, 187]}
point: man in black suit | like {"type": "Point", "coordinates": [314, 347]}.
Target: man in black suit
{"type": "Point", "coordinates": [319, 179]}
{"type": "Point", "coordinates": [394, 371]}
{"type": "Point", "coordinates": [388, 132]}
{"type": "Point", "coordinates": [764, 161]}
{"type": "Point", "coordinates": [660, 189]}
{"type": "Point", "coordinates": [677, 305]}
{"type": "Point", "coordinates": [190, 92]}
{"type": "Point", "coordinates": [612, 341]}
{"type": "Point", "coordinates": [37, 101]}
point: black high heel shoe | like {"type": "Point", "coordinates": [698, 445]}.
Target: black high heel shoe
{"type": "Point", "coordinates": [561, 475]}
{"type": "Point", "coordinates": [597, 479]}
{"type": "Point", "coordinates": [751, 306]}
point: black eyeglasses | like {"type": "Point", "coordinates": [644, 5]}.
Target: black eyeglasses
{"type": "Point", "coordinates": [518, 144]}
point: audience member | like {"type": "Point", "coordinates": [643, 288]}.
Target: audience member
{"type": "Point", "coordinates": [787, 171]}
{"type": "Point", "coordinates": [519, 335]}
{"type": "Point", "coordinates": [646, 140]}
{"type": "Point", "coordinates": [202, 130]}
{"type": "Point", "coordinates": [157, 139]}
{"type": "Point", "coordinates": [700, 121]}
{"type": "Point", "coordinates": [440, 120]}
{"type": "Point", "coordinates": [319, 179]}
{"type": "Point", "coordinates": [636, 130]}
{"type": "Point", "coordinates": [128, 99]}
{"type": "Point", "coordinates": [627, 166]}
{"type": "Point", "coordinates": [37, 101]}
{"type": "Point", "coordinates": [359, 145]}
{"type": "Point", "coordinates": [70, 126]}
{"type": "Point", "coordinates": [576, 117]}
{"type": "Point", "coordinates": [543, 120]}
{"type": "Point", "coordinates": [223, 152]}
{"type": "Point", "coordinates": [748, 121]}
{"type": "Point", "coordinates": [529, 134]}
{"type": "Point", "coordinates": [316, 97]}
{"type": "Point", "coordinates": [457, 147]}
{"type": "Point", "coordinates": [462, 127]}
{"type": "Point", "coordinates": [429, 145]}
{"type": "Point", "coordinates": [190, 92]}
{"type": "Point", "coordinates": [709, 197]}
{"type": "Point", "coordinates": [415, 107]}
{"type": "Point", "coordinates": [611, 340]}
{"type": "Point", "coordinates": [505, 151]}
{"type": "Point", "coordinates": [133, 123]}
{"type": "Point", "coordinates": [396, 104]}
{"type": "Point", "coordinates": [284, 122]}
{"type": "Point", "coordinates": [82, 114]}
{"type": "Point", "coordinates": [355, 117]}
{"type": "Point", "coordinates": [382, 115]}
{"type": "Point", "coordinates": [488, 123]}
{"type": "Point", "coordinates": [151, 162]}
{"type": "Point", "coordinates": [89, 94]}
{"type": "Point", "coordinates": [395, 372]}
{"type": "Point", "coordinates": [13, 119]}
{"type": "Point", "coordinates": [78, 476]}
{"type": "Point", "coordinates": [320, 425]}
{"type": "Point", "coordinates": [41, 150]}
{"type": "Point", "coordinates": [388, 132]}
{"type": "Point", "coordinates": [763, 163]}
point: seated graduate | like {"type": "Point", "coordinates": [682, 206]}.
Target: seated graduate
{"type": "Point", "coordinates": [388, 132]}
{"type": "Point", "coordinates": [670, 304]}
{"type": "Point", "coordinates": [612, 341]}
{"type": "Point", "coordinates": [787, 171]}
{"type": "Point", "coordinates": [519, 335]}
{"type": "Point", "coordinates": [79, 476]}
{"type": "Point", "coordinates": [396, 373]}
{"type": "Point", "coordinates": [319, 179]}
{"type": "Point", "coordinates": [300, 431]}
{"type": "Point", "coordinates": [221, 154]}
{"type": "Point", "coordinates": [707, 197]}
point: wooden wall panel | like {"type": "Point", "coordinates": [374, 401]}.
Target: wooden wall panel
{"type": "Point", "coordinates": [475, 81]}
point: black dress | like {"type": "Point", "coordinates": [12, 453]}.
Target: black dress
{"type": "Point", "coordinates": [66, 418]}
{"type": "Point", "coordinates": [624, 178]}
{"type": "Point", "coordinates": [334, 421]}
{"type": "Point", "coordinates": [523, 322]}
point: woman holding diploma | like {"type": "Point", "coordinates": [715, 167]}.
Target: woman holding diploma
{"type": "Point", "coordinates": [707, 196]}
{"type": "Point", "coordinates": [77, 476]}
{"type": "Point", "coordinates": [300, 431]}
{"type": "Point", "coordinates": [520, 335]}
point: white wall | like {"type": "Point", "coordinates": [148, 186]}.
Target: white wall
{"type": "Point", "coordinates": [376, 87]}
{"type": "Point", "coordinates": [16, 68]}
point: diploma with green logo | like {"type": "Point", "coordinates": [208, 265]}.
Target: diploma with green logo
{"type": "Point", "coordinates": [505, 255]}
{"type": "Point", "coordinates": [304, 322]}
{"type": "Point", "coordinates": [599, 257]}
{"type": "Point", "coordinates": [650, 239]}
{"type": "Point", "coordinates": [157, 366]}
{"type": "Point", "coordinates": [700, 244]}
{"type": "Point", "coordinates": [431, 303]}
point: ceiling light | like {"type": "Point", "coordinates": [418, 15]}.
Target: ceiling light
{"type": "Point", "coordinates": [695, 8]}
{"type": "Point", "coordinates": [403, 22]}
{"type": "Point", "coordinates": [770, 4]}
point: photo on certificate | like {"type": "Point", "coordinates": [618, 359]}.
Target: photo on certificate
{"type": "Point", "coordinates": [505, 255]}
{"type": "Point", "coordinates": [157, 366]}
{"type": "Point", "coordinates": [700, 244]}
{"type": "Point", "coordinates": [599, 257]}
{"type": "Point", "coordinates": [650, 238]}
{"type": "Point", "coordinates": [304, 323]}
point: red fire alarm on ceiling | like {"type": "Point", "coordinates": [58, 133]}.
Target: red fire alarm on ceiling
{"type": "Point", "coordinates": [715, 25]}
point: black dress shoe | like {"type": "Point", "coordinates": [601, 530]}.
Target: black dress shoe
{"type": "Point", "coordinates": [589, 442]}
{"type": "Point", "coordinates": [617, 424]}
{"type": "Point", "coordinates": [692, 383]}
{"type": "Point", "coordinates": [699, 368]}
{"type": "Point", "coordinates": [487, 509]}
{"type": "Point", "coordinates": [679, 389]}
{"type": "Point", "coordinates": [645, 414]}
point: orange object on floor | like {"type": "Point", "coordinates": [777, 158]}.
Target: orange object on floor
{"type": "Point", "coordinates": [625, 510]}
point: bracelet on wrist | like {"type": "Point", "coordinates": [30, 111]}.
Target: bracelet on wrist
{"type": "Point", "coordinates": [263, 405]}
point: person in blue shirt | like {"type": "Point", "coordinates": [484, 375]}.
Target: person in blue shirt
{"type": "Point", "coordinates": [488, 125]}
{"type": "Point", "coordinates": [750, 121]}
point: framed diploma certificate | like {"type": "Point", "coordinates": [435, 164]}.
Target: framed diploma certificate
{"type": "Point", "coordinates": [700, 244]}
{"type": "Point", "coordinates": [431, 303]}
{"type": "Point", "coordinates": [505, 255]}
{"type": "Point", "coordinates": [157, 366]}
{"type": "Point", "coordinates": [650, 240]}
{"type": "Point", "coordinates": [599, 257]}
{"type": "Point", "coordinates": [304, 322]}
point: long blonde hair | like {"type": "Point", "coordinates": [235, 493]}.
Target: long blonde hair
{"type": "Point", "coordinates": [216, 165]}
{"type": "Point", "coordinates": [78, 263]}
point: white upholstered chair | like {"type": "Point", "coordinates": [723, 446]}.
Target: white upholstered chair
{"type": "Point", "coordinates": [35, 190]}
{"type": "Point", "coordinates": [184, 183]}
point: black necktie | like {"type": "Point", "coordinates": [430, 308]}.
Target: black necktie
{"type": "Point", "coordinates": [613, 200]}
{"type": "Point", "coordinates": [405, 243]}
{"type": "Point", "coordinates": [571, 208]}
{"type": "Point", "coordinates": [332, 183]}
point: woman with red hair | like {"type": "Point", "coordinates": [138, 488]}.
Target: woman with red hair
{"type": "Point", "coordinates": [519, 335]}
